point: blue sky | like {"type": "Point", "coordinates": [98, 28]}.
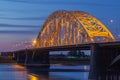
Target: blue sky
{"type": "Point", "coordinates": [21, 20]}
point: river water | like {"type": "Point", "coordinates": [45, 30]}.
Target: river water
{"type": "Point", "coordinates": [57, 72]}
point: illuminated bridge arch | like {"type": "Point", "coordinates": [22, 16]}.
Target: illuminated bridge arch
{"type": "Point", "coordinates": [72, 27]}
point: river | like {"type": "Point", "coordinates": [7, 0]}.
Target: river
{"type": "Point", "coordinates": [57, 72]}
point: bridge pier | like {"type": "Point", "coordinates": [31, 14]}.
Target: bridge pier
{"type": "Point", "coordinates": [37, 59]}
{"type": "Point", "coordinates": [41, 58]}
{"type": "Point", "coordinates": [33, 58]}
{"type": "Point", "coordinates": [101, 57]}
{"type": "Point", "coordinates": [19, 56]}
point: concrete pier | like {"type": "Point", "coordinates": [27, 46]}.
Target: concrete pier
{"type": "Point", "coordinates": [37, 58]}
{"type": "Point", "coordinates": [101, 58]}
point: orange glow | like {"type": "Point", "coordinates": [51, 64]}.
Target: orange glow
{"type": "Point", "coordinates": [33, 77]}
{"type": "Point", "coordinates": [34, 42]}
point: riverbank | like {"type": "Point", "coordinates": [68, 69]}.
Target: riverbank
{"type": "Point", "coordinates": [6, 59]}
{"type": "Point", "coordinates": [70, 61]}
{"type": "Point", "coordinates": [63, 61]}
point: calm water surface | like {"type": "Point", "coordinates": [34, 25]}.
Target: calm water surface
{"type": "Point", "coordinates": [17, 72]}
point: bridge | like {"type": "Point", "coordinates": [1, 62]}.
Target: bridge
{"type": "Point", "coordinates": [73, 30]}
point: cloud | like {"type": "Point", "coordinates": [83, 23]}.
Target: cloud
{"type": "Point", "coordinates": [13, 25]}
{"type": "Point", "coordinates": [4, 10]}
{"type": "Point", "coordinates": [18, 32]}
{"type": "Point", "coordinates": [24, 18]}
{"type": "Point", "coordinates": [19, 29]}
{"type": "Point", "coordinates": [63, 3]}
{"type": "Point", "coordinates": [22, 1]}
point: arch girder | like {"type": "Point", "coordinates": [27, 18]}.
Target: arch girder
{"type": "Point", "coordinates": [93, 26]}
{"type": "Point", "coordinates": [72, 27]}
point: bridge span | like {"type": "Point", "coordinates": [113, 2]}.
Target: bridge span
{"type": "Point", "coordinates": [102, 56]}
{"type": "Point", "coordinates": [86, 46]}
{"type": "Point", "coordinates": [74, 30]}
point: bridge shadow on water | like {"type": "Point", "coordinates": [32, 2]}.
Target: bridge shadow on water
{"type": "Point", "coordinates": [81, 74]}
{"type": "Point", "coordinates": [18, 72]}
{"type": "Point", "coordinates": [58, 74]}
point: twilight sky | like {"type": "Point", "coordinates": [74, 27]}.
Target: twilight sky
{"type": "Point", "coordinates": [21, 20]}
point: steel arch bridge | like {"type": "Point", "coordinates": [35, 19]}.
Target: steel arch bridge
{"type": "Point", "coordinates": [72, 27]}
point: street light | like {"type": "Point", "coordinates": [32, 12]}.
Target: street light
{"type": "Point", "coordinates": [34, 42]}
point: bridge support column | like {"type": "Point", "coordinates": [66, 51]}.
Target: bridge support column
{"type": "Point", "coordinates": [38, 59]}
{"type": "Point", "coordinates": [101, 57]}
{"type": "Point", "coordinates": [19, 57]}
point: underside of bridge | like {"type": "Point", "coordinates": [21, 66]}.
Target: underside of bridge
{"type": "Point", "coordinates": [115, 63]}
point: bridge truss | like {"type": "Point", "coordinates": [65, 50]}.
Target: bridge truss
{"type": "Point", "coordinates": [72, 27]}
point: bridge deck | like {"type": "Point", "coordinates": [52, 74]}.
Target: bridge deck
{"type": "Point", "coordinates": [86, 46]}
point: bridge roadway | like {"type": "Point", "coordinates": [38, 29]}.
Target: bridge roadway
{"type": "Point", "coordinates": [102, 55]}
{"type": "Point", "coordinates": [80, 46]}
{"type": "Point", "coordinates": [86, 46]}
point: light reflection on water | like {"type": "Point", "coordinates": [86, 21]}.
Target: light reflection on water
{"type": "Point", "coordinates": [68, 76]}
{"type": "Point", "coordinates": [17, 72]}
{"type": "Point", "coordinates": [33, 77]}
